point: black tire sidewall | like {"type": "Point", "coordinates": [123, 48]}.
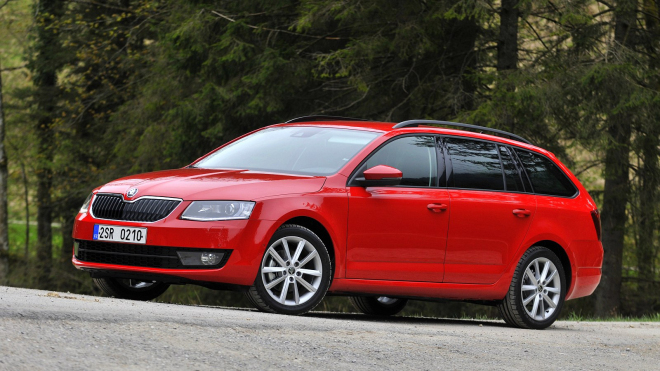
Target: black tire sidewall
{"type": "Point", "coordinates": [539, 252]}
{"type": "Point", "coordinates": [113, 287]}
{"type": "Point", "coordinates": [297, 231]}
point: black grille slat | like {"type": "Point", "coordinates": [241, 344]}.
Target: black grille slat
{"type": "Point", "coordinates": [138, 255]}
{"type": "Point", "coordinates": [159, 208]}
{"type": "Point", "coordinates": [114, 207]}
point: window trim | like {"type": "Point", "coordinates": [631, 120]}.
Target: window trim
{"type": "Point", "coordinates": [351, 182]}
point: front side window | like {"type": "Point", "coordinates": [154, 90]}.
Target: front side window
{"type": "Point", "coordinates": [546, 177]}
{"type": "Point", "coordinates": [415, 156]}
{"type": "Point", "coordinates": [306, 150]}
{"type": "Point", "coordinates": [476, 164]}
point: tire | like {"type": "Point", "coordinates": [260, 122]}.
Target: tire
{"type": "Point", "coordinates": [378, 306]}
{"type": "Point", "coordinates": [294, 275]}
{"type": "Point", "coordinates": [538, 312]}
{"type": "Point", "coordinates": [131, 289]}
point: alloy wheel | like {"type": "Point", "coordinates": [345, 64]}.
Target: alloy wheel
{"type": "Point", "coordinates": [291, 271]}
{"type": "Point", "coordinates": [540, 289]}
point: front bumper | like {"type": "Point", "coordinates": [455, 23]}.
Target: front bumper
{"type": "Point", "coordinates": [245, 239]}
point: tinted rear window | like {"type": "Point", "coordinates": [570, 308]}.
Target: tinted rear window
{"type": "Point", "coordinates": [546, 177]}
{"type": "Point", "coordinates": [511, 175]}
{"type": "Point", "coordinates": [476, 164]}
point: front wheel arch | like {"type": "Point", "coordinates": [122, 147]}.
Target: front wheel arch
{"type": "Point", "coordinates": [319, 229]}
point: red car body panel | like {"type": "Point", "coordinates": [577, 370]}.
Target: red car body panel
{"type": "Point", "coordinates": [453, 250]}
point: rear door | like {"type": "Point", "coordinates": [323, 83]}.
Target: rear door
{"type": "Point", "coordinates": [399, 232]}
{"type": "Point", "coordinates": [491, 210]}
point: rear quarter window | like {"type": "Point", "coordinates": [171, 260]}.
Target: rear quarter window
{"type": "Point", "coordinates": [546, 177]}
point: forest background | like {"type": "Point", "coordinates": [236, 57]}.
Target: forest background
{"type": "Point", "coordinates": [93, 90]}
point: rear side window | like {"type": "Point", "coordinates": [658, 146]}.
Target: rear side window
{"type": "Point", "coordinates": [546, 177]}
{"type": "Point", "coordinates": [512, 178]}
{"type": "Point", "coordinates": [415, 156]}
{"type": "Point", "coordinates": [476, 164]}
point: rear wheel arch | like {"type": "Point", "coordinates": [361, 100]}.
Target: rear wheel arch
{"type": "Point", "coordinates": [563, 257]}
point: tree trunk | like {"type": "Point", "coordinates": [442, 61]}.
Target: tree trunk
{"type": "Point", "coordinates": [26, 195]}
{"type": "Point", "coordinates": [645, 251]}
{"type": "Point", "coordinates": [45, 65]}
{"type": "Point", "coordinates": [4, 231]}
{"type": "Point", "coordinates": [615, 195]}
{"type": "Point", "coordinates": [67, 239]}
{"type": "Point", "coordinates": [507, 44]}
{"type": "Point", "coordinates": [650, 179]}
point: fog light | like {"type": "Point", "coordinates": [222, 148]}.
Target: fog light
{"type": "Point", "coordinates": [200, 258]}
{"type": "Point", "coordinates": [209, 258]}
{"type": "Point", "coordinates": [76, 246]}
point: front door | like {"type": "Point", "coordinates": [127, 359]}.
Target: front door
{"type": "Point", "coordinates": [399, 233]}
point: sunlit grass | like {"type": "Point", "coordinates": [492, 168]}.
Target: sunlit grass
{"type": "Point", "coordinates": [17, 239]}
{"type": "Point", "coordinates": [573, 316]}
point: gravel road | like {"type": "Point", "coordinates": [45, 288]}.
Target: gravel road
{"type": "Point", "coordinates": [42, 330]}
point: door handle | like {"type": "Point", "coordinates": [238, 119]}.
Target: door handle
{"type": "Point", "coordinates": [522, 213]}
{"type": "Point", "coordinates": [437, 208]}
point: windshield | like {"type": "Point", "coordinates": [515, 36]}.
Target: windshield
{"type": "Point", "coordinates": [303, 150]}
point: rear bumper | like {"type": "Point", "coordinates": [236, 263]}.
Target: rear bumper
{"type": "Point", "coordinates": [586, 281]}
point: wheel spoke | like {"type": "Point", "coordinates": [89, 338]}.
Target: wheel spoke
{"type": "Point", "coordinates": [308, 258]}
{"type": "Point", "coordinates": [546, 267]}
{"type": "Point", "coordinates": [274, 282]}
{"type": "Point", "coordinates": [536, 305]}
{"type": "Point", "coordinates": [531, 277]}
{"type": "Point", "coordinates": [553, 290]}
{"type": "Point", "coordinates": [306, 285]}
{"type": "Point", "coordinates": [552, 275]}
{"type": "Point", "coordinates": [526, 301]}
{"type": "Point", "coordinates": [536, 269]}
{"type": "Point", "coordinates": [285, 290]}
{"type": "Point", "coordinates": [549, 301]}
{"type": "Point", "coordinates": [542, 307]}
{"type": "Point", "coordinates": [528, 287]}
{"type": "Point", "coordinates": [310, 272]}
{"type": "Point", "coordinates": [273, 269]}
{"type": "Point", "coordinates": [296, 294]}
{"type": "Point", "coordinates": [285, 244]}
{"type": "Point", "coordinates": [299, 250]}
{"type": "Point", "coordinates": [277, 257]}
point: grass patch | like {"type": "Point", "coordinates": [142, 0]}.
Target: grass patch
{"type": "Point", "coordinates": [573, 316]}
{"type": "Point", "coordinates": [17, 239]}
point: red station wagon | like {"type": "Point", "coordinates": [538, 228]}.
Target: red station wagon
{"type": "Point", "coordinates": [380, 212]}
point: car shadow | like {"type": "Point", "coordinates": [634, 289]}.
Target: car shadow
{"type": "Point", "coordinates": [405, 320]}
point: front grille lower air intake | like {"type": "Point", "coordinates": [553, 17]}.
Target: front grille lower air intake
{"type": "Point", "coordinates": [145, 209]}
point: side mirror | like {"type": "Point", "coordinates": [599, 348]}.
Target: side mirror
{"type": "Point", "coordinates": [380, 175]}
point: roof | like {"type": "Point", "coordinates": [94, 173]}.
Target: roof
{"type": "Point", "coordinates": [412, 126]}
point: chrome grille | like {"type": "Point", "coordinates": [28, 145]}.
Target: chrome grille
{"type": "Point", "coordinates": [114, 207]}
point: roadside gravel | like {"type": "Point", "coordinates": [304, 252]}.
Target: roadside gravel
{"type": "Point", "coordinates": [42, 330]}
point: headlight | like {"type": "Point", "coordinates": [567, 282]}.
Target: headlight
{"type": "Point", "coordinates": [85, 206]}
{"type": "Point", "coordinates": [218, 210]}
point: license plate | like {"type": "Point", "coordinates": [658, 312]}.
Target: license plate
{"type": "Point", "coordinates": [120, 234]}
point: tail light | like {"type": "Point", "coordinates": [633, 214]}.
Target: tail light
{"type": "Point", "coordinates": [595, 215]}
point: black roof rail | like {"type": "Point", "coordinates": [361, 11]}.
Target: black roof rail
{"type": "Point", "coordinates": [322, 118]}
{"type": "Point", "coordinates": [414, 123]}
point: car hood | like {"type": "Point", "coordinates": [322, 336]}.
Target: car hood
{"type": "Point", "coordinates": [208, 184]}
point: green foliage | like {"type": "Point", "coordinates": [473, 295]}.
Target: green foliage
{"type": "Point", "coordinates": [150, 85]}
